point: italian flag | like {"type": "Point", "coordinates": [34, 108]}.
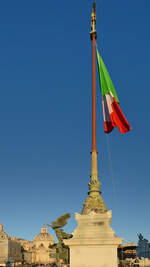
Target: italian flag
{"type": "Point", "coordinates": [113, 116]}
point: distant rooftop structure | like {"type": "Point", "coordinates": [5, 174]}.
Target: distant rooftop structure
{"type": "Point", "coordinates": [3, 235]}
{"type": "Point", "coordinates": [44, 235]}
{"type": "Point", "coordinates": [127, 250]}
{"type": "Point", "coordinates": [132, 244]}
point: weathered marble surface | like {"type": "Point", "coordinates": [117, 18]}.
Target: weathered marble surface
{"type": "Point", "coordinates": [94, 243]}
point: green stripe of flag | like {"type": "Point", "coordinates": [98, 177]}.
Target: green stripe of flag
{"type": "Point", "coordinates": [105, 80]}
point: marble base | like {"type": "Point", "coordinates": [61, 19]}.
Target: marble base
{"type": "Point", "coordinates": [94, 243]}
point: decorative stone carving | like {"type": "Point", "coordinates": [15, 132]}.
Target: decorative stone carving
{"type": "Point", "coordinates": [95, 204]}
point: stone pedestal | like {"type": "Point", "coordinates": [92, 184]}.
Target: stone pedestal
{"type": "Point", "coordinates": [94, 243]}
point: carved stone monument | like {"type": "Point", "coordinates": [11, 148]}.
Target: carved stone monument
{"type": "Point", "coordinates": [94, 243]}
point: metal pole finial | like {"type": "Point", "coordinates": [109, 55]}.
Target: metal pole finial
{"type": "Point", "coordinates": [93, 21]}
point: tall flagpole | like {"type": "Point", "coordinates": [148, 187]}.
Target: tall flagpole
{"type": "Point", "coordinates": [94, 202]}
{"type": "Point", "coordinates": [93, 35]}
{"type": "Point", "coordinates": [94, 243]}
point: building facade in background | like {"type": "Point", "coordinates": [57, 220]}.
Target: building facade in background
{"type": "Point", "coordinates": [41, 247]}
{"type": "Point", "coordinates": [17, 251]}
{"type": "Point", "coordinates": [10, 250]}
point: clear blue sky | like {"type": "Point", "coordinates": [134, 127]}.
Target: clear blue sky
{"type": "Point", "coordinates": [45, 113]}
